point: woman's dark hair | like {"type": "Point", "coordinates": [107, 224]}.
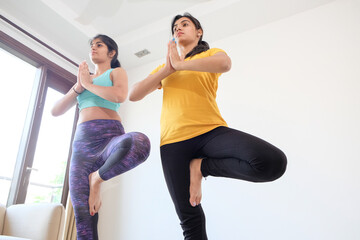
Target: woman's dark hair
{"type": "Point", "coordinates": [202, 45]}
{"type": "Point", "coordinates": [112, 46]}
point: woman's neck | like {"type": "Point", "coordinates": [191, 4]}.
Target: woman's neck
{"type": "Point", "coordinates": [100, 68]}
{"type": "Point", "coordinates": [185, 49]}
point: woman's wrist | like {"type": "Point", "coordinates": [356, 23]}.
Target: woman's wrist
{"type": "Point", "coordinates": [180, 65]}
{"type": "Point", "coordinates": [77, 90]}
{"type": "Point", "coordinates": [78, 93]}
{"type": "Point", "coordinates": [167, 71]}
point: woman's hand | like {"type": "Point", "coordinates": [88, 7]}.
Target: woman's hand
{"type": "Point", "coordinates": [174, 58]}
{"type": "Point", "coordinates": [69, 99]}
{"type": "Point", "coordinates": [78, 87]}
{"type": "Point", "coordinates": [168, 66]}
{"type": "Point", "coordinates": [84, 75]}
{"type": "Point", "coordinates": [153, 81]}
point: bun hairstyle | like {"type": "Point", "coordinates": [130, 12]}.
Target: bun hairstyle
{"type": "Point", "coordinates": [202, 45]}
{"type": "Point", "coordinates": [112, 46]}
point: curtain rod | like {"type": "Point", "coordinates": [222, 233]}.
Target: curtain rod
{"type": "Point", "coordinates": [37, 40]}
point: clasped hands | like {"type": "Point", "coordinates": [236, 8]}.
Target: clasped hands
{"type": "Point", "coordinates": [173, 60]}
{"type": "Point", "coordinates": [83, 77]}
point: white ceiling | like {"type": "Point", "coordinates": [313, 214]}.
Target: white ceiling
{"type": "Point", "coordinates": [67, 25]}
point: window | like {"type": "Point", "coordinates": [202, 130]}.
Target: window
{"type": "Point", "coordinates": [37, 145]}
{"type": "Point", "coordinates": [17, 81]}
{"type": "Point", "coordinates": [51, 155]}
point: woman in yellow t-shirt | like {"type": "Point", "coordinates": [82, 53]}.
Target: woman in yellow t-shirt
{"type": "Point", "coordinates": [195, 140]}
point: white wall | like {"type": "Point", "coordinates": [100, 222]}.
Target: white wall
{"type": "Point", "coordinates": [295, 83]}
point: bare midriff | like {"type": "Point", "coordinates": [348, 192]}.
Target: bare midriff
{"type": "Point", "coordinates": [93, 113]}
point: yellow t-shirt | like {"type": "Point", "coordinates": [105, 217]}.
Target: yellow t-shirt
{"type": "Point", "coordinates": [189, 103]}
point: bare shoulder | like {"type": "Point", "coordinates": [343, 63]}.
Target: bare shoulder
{"type": "Point", "coordinates": [118, 74]}
{"type": "Point", "coordinates": [118, 70]}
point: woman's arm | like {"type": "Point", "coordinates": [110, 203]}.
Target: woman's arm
{"type": "Point", "coordinates": [148, 85]}
{"type": "Point", "coordinates": [66, 102]}
{"type": "Point", "coordinates": [116, 93]}
{"type": "Point", "coordinates": [152, 82]}
{"type": "Point", "coordinates": [217, 63]}
{"type": "Point", "coordinates": [69, 99]}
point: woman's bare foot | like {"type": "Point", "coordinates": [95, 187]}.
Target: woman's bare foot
{"type": "Point", "coordinates": [195, 181]}
{"type": "Point", "coordinates": [94, 197]}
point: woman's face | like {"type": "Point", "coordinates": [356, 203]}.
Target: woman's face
{"type": "Point", "coordinates": [99, 51]}
{"type": "Point", "coordinates": [185, 31]}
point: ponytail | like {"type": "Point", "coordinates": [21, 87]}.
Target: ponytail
{"type": "Point", "coordinates": [115, 63]}
{"type": "Point", "coordinates": [201, 47]}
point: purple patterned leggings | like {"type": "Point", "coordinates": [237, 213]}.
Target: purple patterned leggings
{"type": "Point", "coordinates": [100, 145]}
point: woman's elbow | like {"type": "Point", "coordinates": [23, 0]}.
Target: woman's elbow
{"type": "Point", "coordinates": [135, 94]}
{"type": "Point", "coordinates": [55, 112]}
{"type": "Point", "coordinates": [120, 98]}
{"type": "Point", "coordinates": [226, 65]}
{"type": "Point", "coordinates": [133, 97]}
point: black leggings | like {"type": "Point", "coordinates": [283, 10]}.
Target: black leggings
{"type": "Point", "coordinates": [227, 153]}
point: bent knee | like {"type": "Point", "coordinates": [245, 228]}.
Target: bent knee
{"type": "Point", "coordinates": [278, 167]}
{"type": "Point", "coordinates": [141, 144]}
{"type": "Point", "coordinates": [273, 167]}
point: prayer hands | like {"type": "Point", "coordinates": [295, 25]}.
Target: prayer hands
{"type": "Point", "coordinates": [168, 65]}
{"type": "Point", "coordinates": [84, 77]}
{"type": "Point", "coordinates": [173, 56]}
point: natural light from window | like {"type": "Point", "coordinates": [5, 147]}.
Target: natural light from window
{"type": "Point", "coordinates": [51, 155]}
{"type": "Point", "coordinates": [54, 139]}
{"type": "Point", "coordinates": [17, 82]}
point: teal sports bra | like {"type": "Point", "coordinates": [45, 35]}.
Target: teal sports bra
{"type": "Point", "coordinates": [87, 99]}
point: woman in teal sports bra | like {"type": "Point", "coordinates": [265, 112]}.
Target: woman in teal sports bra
{"type": "Point", "coordinates": [101, 148]}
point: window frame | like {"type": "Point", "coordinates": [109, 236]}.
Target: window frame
{"type": "Point", "coordinates": [48, 74]}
